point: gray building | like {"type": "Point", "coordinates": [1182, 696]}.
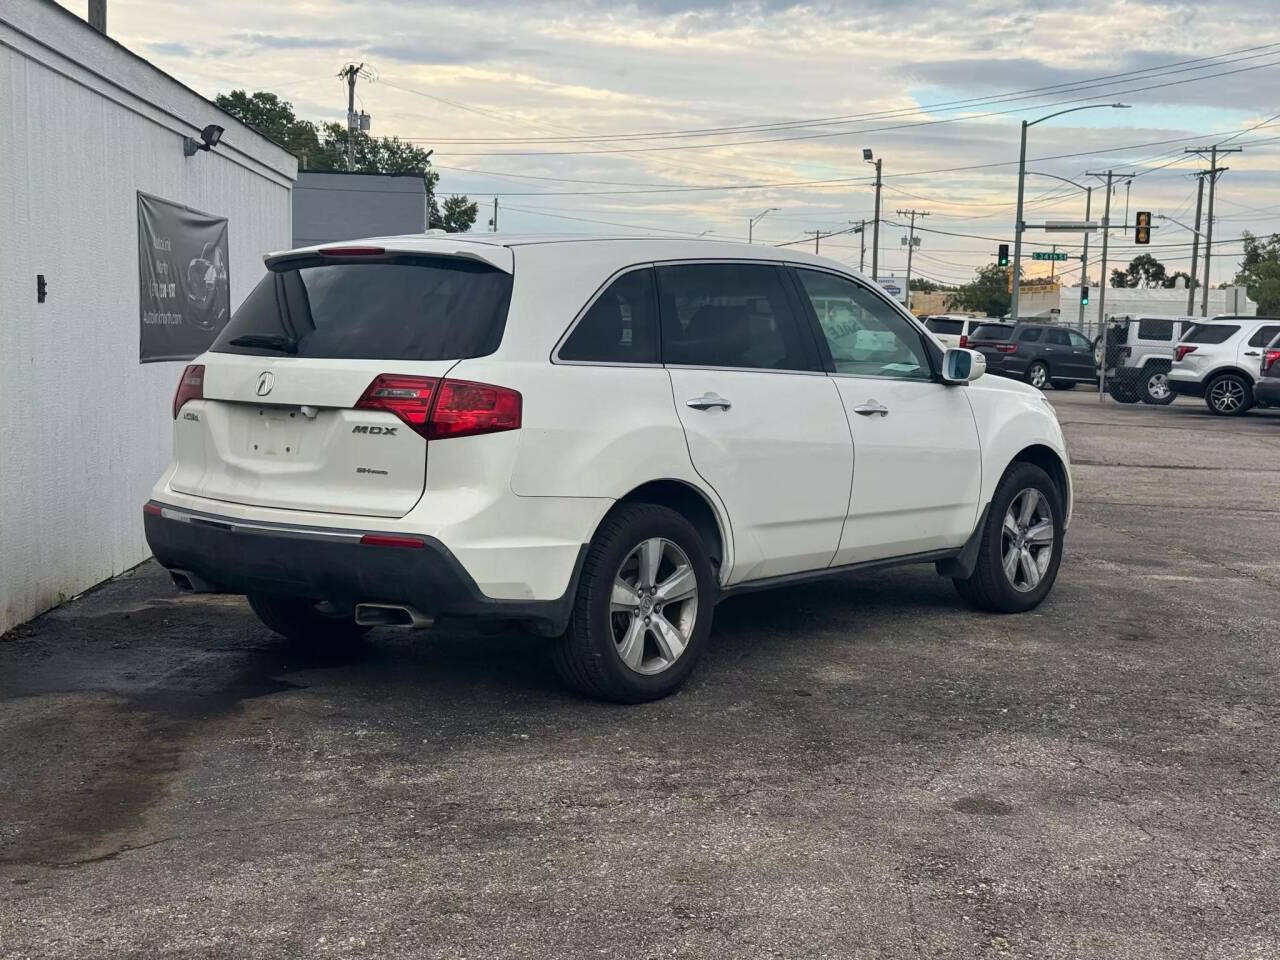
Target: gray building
{"type": "Point", "coordinates": [347, 206]}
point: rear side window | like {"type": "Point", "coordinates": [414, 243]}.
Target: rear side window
{"type": "Point", "coordinates": [621, 326]}
{"type": "Point", "coordinates": [1030, 335]}
{"type": "Point", "coordinates": [944, 325]}
{"type": "Point", "coordinates": [1210, 333]}
{"type": "Point", "coordinates": [402, 308]}
{"type": "Point", "coordinates": [1264, 336]}
{"type": "Point", "coordinates": [730, 315]}
{"type": "Point", "coordinates": [1150, 328]}
{"type": "Point", "coordinates": [991, 331]}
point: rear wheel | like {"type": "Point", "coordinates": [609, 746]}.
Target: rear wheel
{"type": "Point", "coordinates": [1038, 375]}
{"type": "Point", "coordinates": [306, 622]}
{"type": "Point", "coordinates": [1228, 395]}
{"type": "Point", "coordinates": [1155, 387]}
{"type": "Point", "coordinates": [643, 609]}
{"type": "Point", "coordinates": [1021, 544]}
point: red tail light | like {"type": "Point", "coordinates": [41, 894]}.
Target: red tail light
{"type": "Point", "coordinates": [190, 387]}
{"type": "Point", "coordinates": [352, 251]}
{"type": "Point", "coordinates": [1181, 350]}
{"type": "Point", "coordinates": [1268, 358]}
{"type": "Point", "coordinates": [389, 540]}
{"type": "Point", "coordinates": [964, 341]}
{"type": "Point", "coordinates": [437, 409]}
{"type": "Point", "coordinates": [1006, 348]}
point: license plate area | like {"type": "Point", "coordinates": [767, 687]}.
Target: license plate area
{"type": "Point", "coordinates": [275, 433]}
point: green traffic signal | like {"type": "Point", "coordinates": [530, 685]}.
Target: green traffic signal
{"type": "Point", "coordinates": [1084, 296]}
{"type": "Point", "coordinates": [1002, 254]}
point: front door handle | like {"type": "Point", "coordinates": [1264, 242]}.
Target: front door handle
{"type": "Point", "coordinates": [871, 408]}
{"type": "Point", "coordinates": [708, 401]}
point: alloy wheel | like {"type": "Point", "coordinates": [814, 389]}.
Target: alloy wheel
{"type": "Point", "coordinates": [1227, 395]}
{"type": "Point", "coordinates": [653, 605]}
{"type": "Point", "coordinates": [1039, 376]}
{"type": "Point", "coordinates": [1158, 386]}
{"type": "Point", "coordinates": [1027, 540]}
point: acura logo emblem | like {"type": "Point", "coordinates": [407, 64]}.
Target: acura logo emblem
{"type": "Point", "coordinates": [266, 380]}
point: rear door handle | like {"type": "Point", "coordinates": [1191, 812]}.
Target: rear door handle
{"type": "Point", "coordinates": [871, 408]}
{"type": "Point", "coordinates": [707, 401]}
{"type": "Point", "coordinates": [1252, 353]}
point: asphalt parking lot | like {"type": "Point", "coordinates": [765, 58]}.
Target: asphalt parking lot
{"type": "Point", "coordinates": [859, 768]}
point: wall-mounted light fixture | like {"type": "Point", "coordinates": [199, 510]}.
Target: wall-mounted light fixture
{"type": "Point", "coordinates": [209, 138]}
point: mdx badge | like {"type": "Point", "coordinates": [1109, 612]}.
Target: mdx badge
{"type": "Point", "coordinates": [385, 431]}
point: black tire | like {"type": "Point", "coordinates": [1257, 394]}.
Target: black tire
{"type": "Point", "coordinates": [1228, 395]}
{"type": "Point", "coordinates": [1155, 387]}
{"type": "Point", "coordinates": [989, 588]}
{"type": "Point", "coordinates": [1121, 392]}
{"type": "Point", "coordinates": [587, 656]}
{"type": "Point", "coordinates": [1064, 384]}
{"type": "Point", "coordinates": [300, 622]}
{"type": "Point", "coordinates": [1038, 374]}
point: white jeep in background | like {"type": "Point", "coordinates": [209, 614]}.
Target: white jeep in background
{"type": "Point", "coordinates": [601, 438]}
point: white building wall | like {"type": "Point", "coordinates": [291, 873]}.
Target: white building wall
{"type": "Point", "coordinates": [84, 427]}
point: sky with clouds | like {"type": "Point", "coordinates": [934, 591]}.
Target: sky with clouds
{"type": "Point", "coordinates": [527, 99]}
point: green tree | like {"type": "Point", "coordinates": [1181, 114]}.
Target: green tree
{"type": "Point", "coordinates": [1171, 280]}
{"type": "Point", "coordinates": [1146, 271]}
{"type": "Point", "coordinates": [987, 293]}
{"type": "Point", "coordinates": [322, 148]}
{"type": "Point", "coordinates": [1260, 272]}
{"type": "Point", "coordinates": [1119, 278]}
{"type": "Point", "coordinates": [925, 285]}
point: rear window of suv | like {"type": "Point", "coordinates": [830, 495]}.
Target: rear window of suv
{"type": "Point", "coordinates": [1210, 333]}
{"type": "Point", "coordinates": [397, 308]}
{"type": "Point", "coordinates": [944, 325]}
{"type": "Point", "coordinates": [991, 331]}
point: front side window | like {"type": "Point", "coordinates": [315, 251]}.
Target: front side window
{"type": "Point", "coordinates": [621, 326]}
{"type": "Point", "coordinates": [867, 337]}
{"type": "Point", "coordinates": [1079, 341]}
{"type": "Point", "coordinates": [730, 315]}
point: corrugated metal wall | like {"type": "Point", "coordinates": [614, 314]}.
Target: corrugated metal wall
{"type": "Point", "coordinates": [84, 427]}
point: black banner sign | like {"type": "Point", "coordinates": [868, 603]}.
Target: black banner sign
{"type": "Point", "coordinates": [184, 285]}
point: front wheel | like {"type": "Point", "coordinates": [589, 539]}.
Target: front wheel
{"type": "Point", "coordinates": [1121, 392]}
{"type": "Point", "coordinates": [1229, 395]}
{"type": "Point", "coordinates": [643, 609]}
{"type": "Point", "coordinates": [1038, 375]}
{"type": "Point", "coordinates": [1021, 545]}
{"type": "Point", "coordinates": [306, 622]}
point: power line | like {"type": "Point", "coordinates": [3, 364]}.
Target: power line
{"type": "Point", "coordinates": [1074, 86]}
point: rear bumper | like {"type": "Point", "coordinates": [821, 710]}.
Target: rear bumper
{"type": "Point", "coordinates": [1186, 388]}
{"type": "Point", "coordinates": [226, 555]}
{"type": "Point", "coordinates": [1267, 390]}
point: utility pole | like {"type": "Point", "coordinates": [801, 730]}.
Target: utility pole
{"type": "Point", "coordinates": [1084, 257]}
{"type": "Point", "coordinates": [911, 245]}
{"type": "Point", "coordinates": [875, 230]}
{"type": "Point", "coordinates": [1102, 278]}
{"type": "Point", "coordinates": [349, 73]}
{"type": "Point", "coordinates": [1195, 248]}
{"type": "Point", "coordinates": [1214, 172]}
{"type": "Point", "coordinates": [98, 15]}
{"type": "Point", "coordinates": [862, 240]}
{"type": "Point", "coordinates": [493, 224]}
{"type": "Point", "coordinates": [817, 238]}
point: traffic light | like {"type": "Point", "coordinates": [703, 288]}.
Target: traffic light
{"type": "Point", "coordinates": [1142, 227]}
{"type": "Point", "coordinates": [1084, 296]}
{"type": "Point", "coordinates": [1002, 254]}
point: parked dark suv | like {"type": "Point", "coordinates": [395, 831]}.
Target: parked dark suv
{"type": "Point", "coordinates": [1039, 353]}
{"type": "Point", "coordinates": [1267, 389]}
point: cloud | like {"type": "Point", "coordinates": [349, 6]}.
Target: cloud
{"type": "Point", "coordinates": [274, 41]}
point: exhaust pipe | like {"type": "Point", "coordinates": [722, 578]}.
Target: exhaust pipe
{"type": "Point", "coordinates": [189, 582]}
{"type": "Point", "coordinates": [390, 615]}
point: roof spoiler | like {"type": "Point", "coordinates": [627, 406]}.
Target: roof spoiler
{"type": "Point", "coordinates": [500, 258]}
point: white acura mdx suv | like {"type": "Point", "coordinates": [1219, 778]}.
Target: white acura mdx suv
{"type": "Point", "coordinates": [599, 437]}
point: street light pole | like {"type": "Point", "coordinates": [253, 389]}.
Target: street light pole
{"type": "Point", "coordinates": [752, 221]}
{"type": "Point", "coordinates": [1018, 225]}
{"type": "Point", "coordinates": [1084, 256]}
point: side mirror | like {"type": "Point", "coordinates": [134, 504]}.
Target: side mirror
{"type": "Point", "coordinates": [962, 366]}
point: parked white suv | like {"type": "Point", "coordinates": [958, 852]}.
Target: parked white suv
{"type": "Point", "coordinates": [1220, 360]}
{"type": "Point", "coordinates": [599, 437]}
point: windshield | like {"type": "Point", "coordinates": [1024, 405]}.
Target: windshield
{"type": "Point", "coordinates": [396, 308]}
